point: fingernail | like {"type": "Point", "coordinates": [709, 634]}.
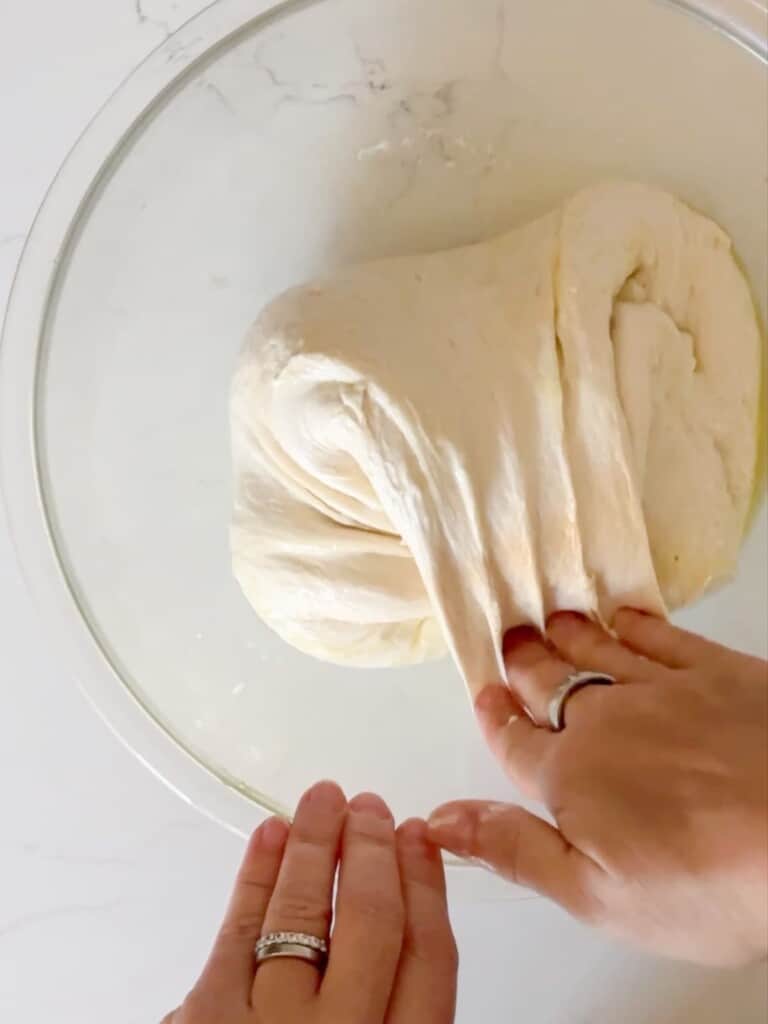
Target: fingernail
{"type": "Point", "coordinates": [491, 811]}
{"type": "Point", "coordinates": [628, 614]}
{"type": "Point", "coordinates": [491, 697]}
{"type": "Point", "coordinates": [451, 828]}
{"type": "Point", "coordinates": [273, 834]}
{"type": "Point", "coordinates": [370, 804]}
{"type": "Point", "coordinates": [566, 620]}
{"type": "Point", "coordinates": [520, 635]}
{"type": "Point", "coordinates": [326, 796]}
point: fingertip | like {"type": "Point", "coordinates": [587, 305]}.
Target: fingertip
{"type": "Point", "coordinates": [370, 804]}
{"type": "Point", "coordinates": [495, 709]}
{"type": "Point", "coordinates": [658, 640]}
{"type": "Point", "coordinates": [590, 646]}
{"type": "Point", "coordinates": [421, 861]}
{"type": "Point", "coordinates": [415, 844]}
{"type": "Point", "coordinates": [518, 636]}
{"type": "Point", "coordinates": [326, 794]}
{"type": "Point", "coordinates": [517, 845]}
{"type": "Point", "coordinates": [451, 827]}
{"type": "Point", "coordinates": [271, 836]}
{"type": "Point", "coordinates": [533, 669]}
{"type": "Point", "coordinates": [494, 703]}
{"type": "Point", "coordinates": [566, 620]}
{"type": "Point", "coordinates": [413, 832]}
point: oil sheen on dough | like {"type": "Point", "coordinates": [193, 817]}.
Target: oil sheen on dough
{"type": "Point", "coordinates": [431, 450]}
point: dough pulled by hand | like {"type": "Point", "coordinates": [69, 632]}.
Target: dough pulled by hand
{"type": "Point", "coordinates": [431, 450]}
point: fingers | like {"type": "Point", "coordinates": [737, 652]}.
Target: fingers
{"type": "Point", "coordinates": [590, 648]}
{"type": "Point", "coordinates": [536, 666]}
{"type": "Point", "coordinates": [370, 916]}
{"type": "Point", "coordinates": [303, 894]}
{"type": "Point", "coordinates": [518, 745]}
{"type": "Point", "coordinates": [230, 967]}
{"type": "Point", "coordinates": [534, 670]}
{"type": "Point", "coordinates": [425, 989]}
{"type": "Point", "coordinates": [520, 847]}
{"type": "Point", "coordinates": [660, 641]}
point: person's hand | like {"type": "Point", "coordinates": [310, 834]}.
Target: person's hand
{"type": "Point", "coordinates": [392, 955]}
{"type": "Point", "coordinates": [658, 786]}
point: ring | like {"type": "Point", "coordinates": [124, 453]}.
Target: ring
{"type": "Point", "coordinates": [575, 682]}
{"type": "Point", "coordinates": [294, 946]}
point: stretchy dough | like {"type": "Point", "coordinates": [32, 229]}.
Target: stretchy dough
{"type": "Point", "coordinates": [431, 450]}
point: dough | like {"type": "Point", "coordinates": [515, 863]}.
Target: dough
{"type": "Point", "coordinates": [431, 450]}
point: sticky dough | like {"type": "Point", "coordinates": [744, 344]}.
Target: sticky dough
{"type": "Point", "coordinates": [431, 450]}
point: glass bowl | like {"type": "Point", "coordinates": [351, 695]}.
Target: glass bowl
{"type": "Point", "coordinates": [260, 145]}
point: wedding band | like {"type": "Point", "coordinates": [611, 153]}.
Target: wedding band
{"type": "Point", "coordinates": [293, 946]}
{"type": "Point", "coordinates": [575, 682]}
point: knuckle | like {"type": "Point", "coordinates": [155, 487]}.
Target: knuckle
{"type": "Point", "coordinates": [372, 834]}
{"type": "Point", "coordinates": [244, 925]}
{"type": "Point", "coordinates": [588, 901]}
{"type": "Point", "coordinates": [299, 907]}
{"type": "Point", "coordinates": [436, 947]}
{"type": "Point", "coordinates": [388, 914]}
{"type": "Point", "coordinates": [307, 842]}
{"type": "Point", "coordinates": [253, 883]}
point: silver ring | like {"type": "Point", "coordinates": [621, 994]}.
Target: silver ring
{"type": "Point", "coordinates": [575, 682]}
{"type": "Point", "coordinates": [293, 946]}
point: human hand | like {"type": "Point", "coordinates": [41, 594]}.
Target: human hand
{"type": "Point", "coordinates": [658, 786]}
{"type": "Point", "coordinates": [392, 959]}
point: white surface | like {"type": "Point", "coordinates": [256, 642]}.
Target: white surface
{"type": "Point", "coordinates": [228, 167]}
{"type": "Point", "coordinates": [109, 886]}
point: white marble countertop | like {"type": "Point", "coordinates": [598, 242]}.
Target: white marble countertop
{"type": "Point", "coordinates": [110, 887]}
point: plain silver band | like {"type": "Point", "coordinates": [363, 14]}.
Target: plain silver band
{"type": "Point", "coordinates": [292, 946]}
{"type": "Point", "coordinates": [575, 682]}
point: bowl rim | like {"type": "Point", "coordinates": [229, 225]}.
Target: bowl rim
{"type": "Point", "coordinates": [232, 805]}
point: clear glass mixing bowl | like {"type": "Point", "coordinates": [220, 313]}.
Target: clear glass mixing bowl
{"type": "Point", "coordinates": [260, 145]}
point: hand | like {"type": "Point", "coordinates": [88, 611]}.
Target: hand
{"type": "Point", "coordinates": [392, 958]}
{"type": "Point", "coordinates": [658, 786]}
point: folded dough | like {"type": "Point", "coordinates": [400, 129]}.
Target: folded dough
{"type": "Point", "coordinates": [431, 450]}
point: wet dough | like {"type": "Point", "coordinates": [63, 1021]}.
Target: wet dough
{"type": "Point", "coordinates": [433, 449]}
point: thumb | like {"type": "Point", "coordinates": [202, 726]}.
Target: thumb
{"type": "Point", "coordinates": [521, 848]}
